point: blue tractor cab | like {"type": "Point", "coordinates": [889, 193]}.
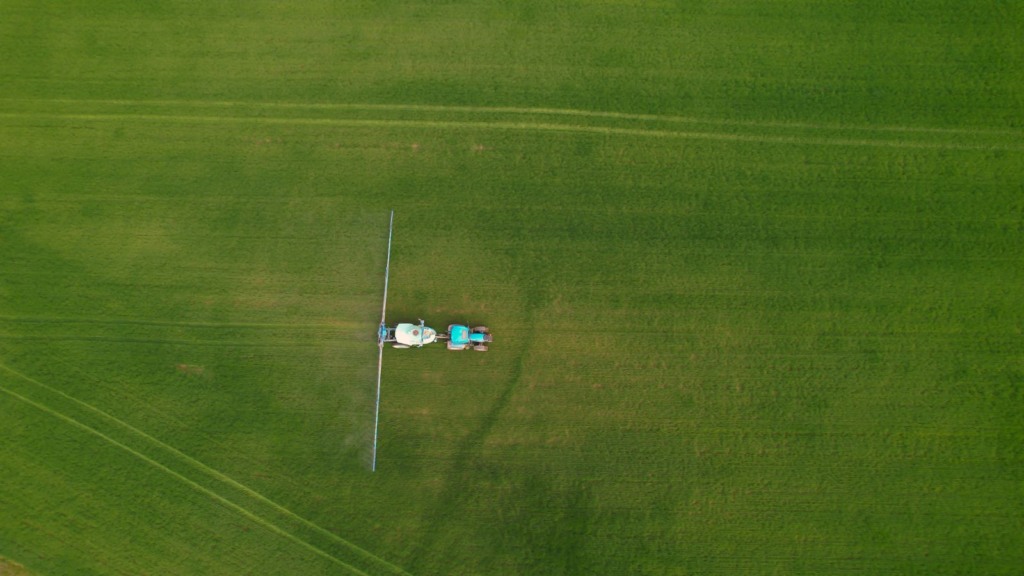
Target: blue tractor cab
{"type": "Point", "coordinates": [462, 337]}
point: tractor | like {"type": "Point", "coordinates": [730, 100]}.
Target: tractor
{"type": "Point", "coordinates": [463, 337]}
{"type": "Point", "coordinates": [458, 337]}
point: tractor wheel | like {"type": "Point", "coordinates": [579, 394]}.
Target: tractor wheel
{"type": "Point", "coordinates": [481, 329]}
{"type": "Point", "coordinates": [480, 347]}
{"type": "Point", "coordinates": [399, 346]}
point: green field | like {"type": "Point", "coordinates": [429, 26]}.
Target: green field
{"type": "Point", "coordinates": [753, 268]}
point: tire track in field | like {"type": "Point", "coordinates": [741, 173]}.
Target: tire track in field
{"type": "Point", "coordinates": [178, 342]}
{"type": "Point", "coordinates": [338, 330]}
{"type": "Point", "coordinates": [227, 503]}
{"type": "Point", "coordinates": [500, 125]}
{"type": "Point", "coordinates": [538, 111]}
{"type": "Point", "coordinates": [392, 568]}
{"type": "Point", "coordinates": [175, 323]}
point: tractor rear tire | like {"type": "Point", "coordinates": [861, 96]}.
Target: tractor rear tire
{"type": "Point", "coordinates": [480, 347]}
{"type": "Point", "coordinates": [481, 329]}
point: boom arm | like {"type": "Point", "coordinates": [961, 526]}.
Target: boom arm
{"type": "Point", "coordinates": [382, 334]}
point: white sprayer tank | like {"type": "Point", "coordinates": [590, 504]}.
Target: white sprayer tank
{"type": "Point", "coordinates": [414, 334]}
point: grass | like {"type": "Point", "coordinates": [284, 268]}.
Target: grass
{"type": "Point", "coordinates": [751, 269]}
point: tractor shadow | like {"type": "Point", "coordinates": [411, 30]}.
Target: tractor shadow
{"type": "Point", "coordinates": [467, 467]}
{"type": "Point", "coordinates": [525, 517]}
{"type": "Point", "coordinates": [463, 474]}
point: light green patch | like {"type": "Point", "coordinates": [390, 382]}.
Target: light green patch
{"type": "Point", "coordinates": [9, 568]}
